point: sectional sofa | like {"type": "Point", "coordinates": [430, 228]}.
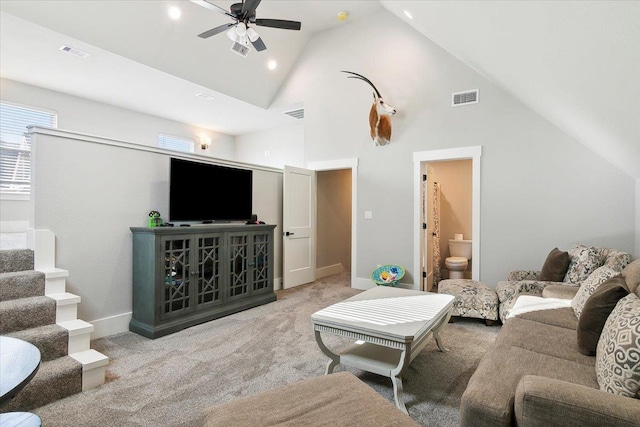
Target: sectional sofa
{"type": "Point", "coordinates": [540, 372]}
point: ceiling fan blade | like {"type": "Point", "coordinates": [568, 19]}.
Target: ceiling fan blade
{"type": "Point", "coordinates": [249, 6]}
{"type": "Point", "coordinates": [279, 23]}
{"type": "Point", "coordinates": [211, 6]}
{"type": "Point", "coordinates": [216, 30]}
{"type": "Point", "coordinates": [259, 44]}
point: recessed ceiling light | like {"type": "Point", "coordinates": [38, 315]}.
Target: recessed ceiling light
{"type": "Point", "coordinates": [205, 96]}
{"type": "Point", "coordinates": [272, 64]}
{"type": "Point", "coordinates": [174, 12]}
{"type": "Point", "coordinates": [409, 15]}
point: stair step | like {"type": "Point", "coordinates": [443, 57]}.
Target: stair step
{"type": "Point", "coordinates": [51, 340]}
{"type": "Point", "coordinates": [26, 313]}
{"type": "Point", "coordinates": [67, 306]}
{"type": "Point", "coordinates": [55, 280]}
{"type": "Point", "coordinates": [21, 284]}
{"type": "Point", "coordinates": [16, 260]}
{"type": "Point", "coordinates": [56, 379]}
{"type": "Point", "coordinates": [94, 365]}
{"type": "Point", "coordinates": [79, 333]}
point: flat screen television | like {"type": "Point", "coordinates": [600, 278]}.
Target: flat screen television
{"type": "Point", "coordinates": [202, 192]}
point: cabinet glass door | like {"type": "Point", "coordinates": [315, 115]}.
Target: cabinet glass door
{"type": "Point", "coordinates": [177, 277]}
{"type": "Point", "coordinates": [260, 260]}
{"type": "Point", "coordinates": [209, 271]}
{"type": "Point", "coordinates": [238, 265]}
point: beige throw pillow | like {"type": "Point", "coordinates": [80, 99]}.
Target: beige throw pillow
{"type": "Point", "coordinates": [618, 351]}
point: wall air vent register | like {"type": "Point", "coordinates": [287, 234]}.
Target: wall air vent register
{"type": "Point", "coordinates": [463, 98]}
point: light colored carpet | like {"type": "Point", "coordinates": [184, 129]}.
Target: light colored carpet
{"type": "Point", "coordinates": [170, 380]}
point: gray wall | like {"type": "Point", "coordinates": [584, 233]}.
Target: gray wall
{"type": "Point", "coordinates": [89, 194]}
{"type": "Point", "coordinates": [539, 187]}
{"type": "Point", "coordinates": [94, 118]}
{"type": "Point", "coordinates": [333, 240]}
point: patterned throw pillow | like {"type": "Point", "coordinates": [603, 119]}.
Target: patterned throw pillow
{"type": "Point", "coordinates": [589, 285]}
{"type": "Point", "coordinates": [583, 262]}
{"type": "Point", "coordinates": [618, 351]}
{"type": "Point", "coordinates": [617, 260]}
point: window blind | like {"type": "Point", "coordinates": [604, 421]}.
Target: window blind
{"type": "Point", "coordinates": [175, 143]}
{"type": "Point", "coordinates": [15, 145]}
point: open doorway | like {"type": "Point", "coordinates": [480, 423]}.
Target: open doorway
{"type": "Point", "coordinates": [343, 168]}
{"type": "Point", "coordinates": [423, 244]}
{"type": "Point", "coordinates": [447, 198]}
{"type": "Point", "coordinates": [333, 223]}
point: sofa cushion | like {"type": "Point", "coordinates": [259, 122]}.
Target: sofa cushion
{"type": "Point", "coordinates": [555, 266]}
{"type": "Point", "coordinates": [596, 311]}
{"type": "Point", "coordinates": [560, 291]}
{"type": "Point", "coordinates": [584, 261]}
{"type": "Point", "coordinates": [562, 317]}
{"type": "Point", "coordinates": [631, 274]}
{"type": "Point", "coordinates": [601, 275]}
{"type": "Point", "coordinates": [618, 351]}
{"type": "Point", "coordinates": [543, 338]}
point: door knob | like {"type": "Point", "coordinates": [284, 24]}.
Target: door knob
{"type": "Point", "coordinates": [288, 234]}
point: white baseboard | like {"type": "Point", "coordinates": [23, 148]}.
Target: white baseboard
{"type": "Point", "coordinates": [364, 284]}
{"type": "Point", "coordinates": [110, 325]}
{"type": "Point", "coordinates": [329, 270]}
{"type": "Point", "coordinates": [277, 283]}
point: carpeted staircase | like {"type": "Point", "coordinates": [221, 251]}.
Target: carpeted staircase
{"type": "Point", "coordinates": [34, 307]}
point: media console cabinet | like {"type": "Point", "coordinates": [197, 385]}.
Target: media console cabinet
{"type": "Point", "coordinates": [183, 276]}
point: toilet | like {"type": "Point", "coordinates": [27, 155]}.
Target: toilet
{"type": "Point", "coordinates": [460, 251]}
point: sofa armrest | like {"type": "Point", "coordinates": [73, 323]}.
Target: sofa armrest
{"type": "Point", "coordinates": [517, 275]}
{"type": "Point", "coordinates": [560, 291]}
{"type": "Point", "coordinates": [542, 401]}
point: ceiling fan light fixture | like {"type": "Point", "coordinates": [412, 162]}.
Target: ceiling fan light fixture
{"type": "Point", "coordinates": [241, 29]}
{"type": "Point", "coordinates": [252, 34]}
{"type": "Point", "coordinates": [232, 34]}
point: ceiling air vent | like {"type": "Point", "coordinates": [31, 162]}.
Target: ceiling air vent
{"type": "Point", "coordinates": [296, 114]}
{"type": "Point", "coordinates": [73, 51]}
{"type": "Point", "coordinates": [467, 97]}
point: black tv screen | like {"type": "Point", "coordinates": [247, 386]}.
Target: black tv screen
{"type": "Point", "coordinates": [201, 192]}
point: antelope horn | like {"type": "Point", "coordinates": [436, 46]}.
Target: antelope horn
{"type": "Point", "coordinates": [361, 77]}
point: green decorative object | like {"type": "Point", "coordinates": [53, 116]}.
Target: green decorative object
{"type": "Point", "coordinates": [154, 219]}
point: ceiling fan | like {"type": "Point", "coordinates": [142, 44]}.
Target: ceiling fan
{"type": "Point", "coordinates": [239, 31]}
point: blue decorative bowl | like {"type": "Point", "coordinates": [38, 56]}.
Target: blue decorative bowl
{"type": "Point", "coordinates": [387, 275]}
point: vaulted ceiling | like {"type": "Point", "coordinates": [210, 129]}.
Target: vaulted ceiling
{"type": "Point", "coordinates": [574, 63]}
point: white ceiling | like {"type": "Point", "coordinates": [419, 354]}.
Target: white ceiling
{"type": "Point", "coordinates": [575, 63]}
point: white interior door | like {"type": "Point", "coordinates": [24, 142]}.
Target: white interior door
{"type": "Point", "coordinates": [298, 223]}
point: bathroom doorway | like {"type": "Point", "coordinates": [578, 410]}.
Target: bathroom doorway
{"type": "Point", "coordinates": [448, 212]}
{"type": "Point", "coordinates": [424, 244]}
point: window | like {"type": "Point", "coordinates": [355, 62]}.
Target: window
{"type": "Point", "coordinates": [15, 145]}
{"type": "Point", "coordinates": [175, 143]}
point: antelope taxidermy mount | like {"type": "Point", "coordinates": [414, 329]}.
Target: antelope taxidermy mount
{"type": "Point", "coordinates": [379, 115]}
